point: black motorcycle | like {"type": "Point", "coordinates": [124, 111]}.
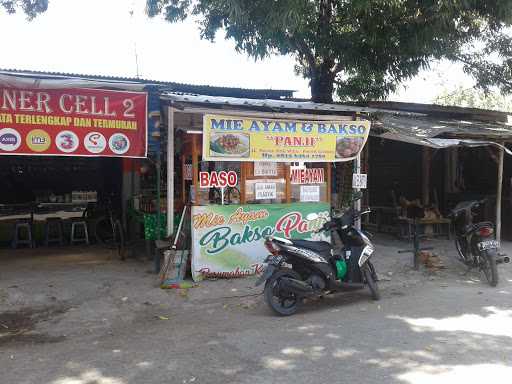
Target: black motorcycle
{"type": "Point", "coordinates": [297, 269]}
{"type": "Point", "coordinates": [475, 242]}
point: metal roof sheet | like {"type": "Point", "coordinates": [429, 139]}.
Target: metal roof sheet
{"type": "Point", "coordinates": [429, 127]}
{"type": "Point", "coordinates": [442, 111]}
{"type": "Point", "coordinates": [273, 104]}
{"type": "Point", "coordinates": [164, 85]}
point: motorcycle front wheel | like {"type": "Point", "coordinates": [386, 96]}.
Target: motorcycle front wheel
{"type": "Point", "coordinates": [281, 303]}
{"type": "Point", "coordinates": [372, 284]}
{"type": "Point", "coordinates": [489, 268]}
{"type": "Point", "coordinates": [461, 246]}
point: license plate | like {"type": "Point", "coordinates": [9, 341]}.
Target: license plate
{"type": "Point", "coordinates": [273, 260]}
{"type": "Point", "coordinates": [488, 244]}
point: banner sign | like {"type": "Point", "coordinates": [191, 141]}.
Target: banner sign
{"type": "Point", "coordinates": [359, 180]}
{"type": "Point", "coordinates": [265, 191]}
{"type": "Point", "coordinates": [187, 172]}
{"type": "Point", "coordinates": [309, 193]}
{"type": "Point", "coordinates": [219, 179]}
{"type": "Point", "coordinates": [265, 168]}
{"type": "Point", "coordinates": [227, 240]}
{"type": "Point", "coordinates": [307, 175]}
{"type": "Point", "coordinates": [73, 122]}
{"type": "Point", "coordinates": [228, 138]}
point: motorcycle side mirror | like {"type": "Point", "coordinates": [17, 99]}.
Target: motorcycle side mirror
{"type": "Point", "coordinates": [312, 216]}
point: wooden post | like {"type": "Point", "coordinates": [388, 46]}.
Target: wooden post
{"type": "Point", "coordinates": [195, 168]}
{"type": "Point", "coordinates": [448, 174]}
{"type": "Point", "coordinates": [170, 171]}
{"type": "Point", "coordinates": [243, 177]}
{"type": "Point", "coordinates": [366, 170]}
{"type": "Point", "coordinates": [357, 169]}
{"type": "Point", "coordinates": [288, 186]}
{"type": "Point", "coordinates": [183, 180]}
{"type": "Point", "coordinates": [499, 192]}
{"type": "Point", "coordinates": [425, 191]}
{"type": "Point", "coordinates": [328, 189]}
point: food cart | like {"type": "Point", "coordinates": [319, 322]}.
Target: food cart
{"type": "Point", "coordinates": [249, 172]}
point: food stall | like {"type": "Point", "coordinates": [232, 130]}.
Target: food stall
{"type": "Point", "coordinates": [248, 172]}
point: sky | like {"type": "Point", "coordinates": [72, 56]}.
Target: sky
{"type": "Point", "coordinates": [99, 37]}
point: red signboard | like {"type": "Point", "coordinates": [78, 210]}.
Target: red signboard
{"type": "Point", "coordinates": [307, 176]}
{"type": "Point", "coordinates": [73, 122]}
{"type": "Point", "coordinates": [220, 179]}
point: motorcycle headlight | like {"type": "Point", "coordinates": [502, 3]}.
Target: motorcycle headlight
{"type": "Point", "coordinates": [365, 255]}
{"type": "Point", "coordinates": [366, 239]}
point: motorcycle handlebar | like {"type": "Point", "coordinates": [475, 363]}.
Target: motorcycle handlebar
{"type": "Point", "coordinates": [469, 207]}
{"type": "Point", "coordinates": [358, 214]}
{"type": "Point", "coordinates": [327, 226]}
{"type": "Point", "coordinates": [331, 224]}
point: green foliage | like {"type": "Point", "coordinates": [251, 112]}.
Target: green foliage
{"type": "Point", "coordinates": [30, 7]}
{"type": "Point", "coordinates": [475, 98]}
{"type": "Point", "coordinates": [362, 49]}
{"type": "Point", "coordinates": [490, 62]}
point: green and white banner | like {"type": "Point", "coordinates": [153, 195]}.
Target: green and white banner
{"type": "Point", "coordinates": [227, 240]}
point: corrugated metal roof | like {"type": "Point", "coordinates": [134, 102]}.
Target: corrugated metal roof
{"type": "Point", "coordinates": [12, 80]}
{"type": "Point", "coordinates": [441, 133]}
{"type": "Point", "coordinates": [445, 111]}
{"type": "Point", "coordinates": [271, 104]}
{"type": "Point", "coordinates": [430, 127]}
{"type": "Point", "coordinates": [164, 85]}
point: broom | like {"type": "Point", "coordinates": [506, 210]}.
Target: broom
{"type": "Point", "coordinates": [170, 257]}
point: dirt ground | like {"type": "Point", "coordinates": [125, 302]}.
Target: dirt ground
{"type": "Point", "coordinates": [80, 316]}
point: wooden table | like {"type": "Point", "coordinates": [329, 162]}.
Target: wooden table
{"type": "Point", "coordinates": [37, 213]}
{"type": "Point", "coordinates": [41, 211]}
{"type": "Point", "coordinates": [403, 226]}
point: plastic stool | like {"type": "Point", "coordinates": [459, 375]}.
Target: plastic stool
{"type": "Point", "coordinates": [18, 240]}
{"type": "Point", "coordinates": [53, 232]}
{"type": "Point", "coordinates": [75, 235]}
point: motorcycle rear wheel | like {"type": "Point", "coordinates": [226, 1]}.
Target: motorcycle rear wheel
{"type": "Point", "coordinates": [489, 268]}
{"type": "Point", "coordinates": [372, 284]}
{"type": "Point", "coordinates": [281, 304]}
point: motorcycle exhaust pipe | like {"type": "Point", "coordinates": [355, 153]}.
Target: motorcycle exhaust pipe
{"type": "Point", "coordinates": [502, 260]}
{"type": "Point", "coordinates": [295, 285]}
{"type": "Point", "coordinates": [350, 286]}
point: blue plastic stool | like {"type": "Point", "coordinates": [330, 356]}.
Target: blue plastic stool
{"type": "Point", "coordinates": [23, 225]}
{"type": "Point", "coordinates": [53, 232]}
{"type": "Point", "coordinates": [79, 233]}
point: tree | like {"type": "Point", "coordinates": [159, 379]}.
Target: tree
{"type": "Point", "coordinates": [30, 7]}
{"type": "Point", "coordinates": [360, 49]}
{"type": "Point", "coordinates": [475, 98]}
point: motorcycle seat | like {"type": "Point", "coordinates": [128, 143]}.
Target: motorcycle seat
{"type": "Point", "coordinates": [318, 246]}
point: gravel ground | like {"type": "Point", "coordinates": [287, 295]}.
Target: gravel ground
{"type": "Point", "coordinates": [79, 316]}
